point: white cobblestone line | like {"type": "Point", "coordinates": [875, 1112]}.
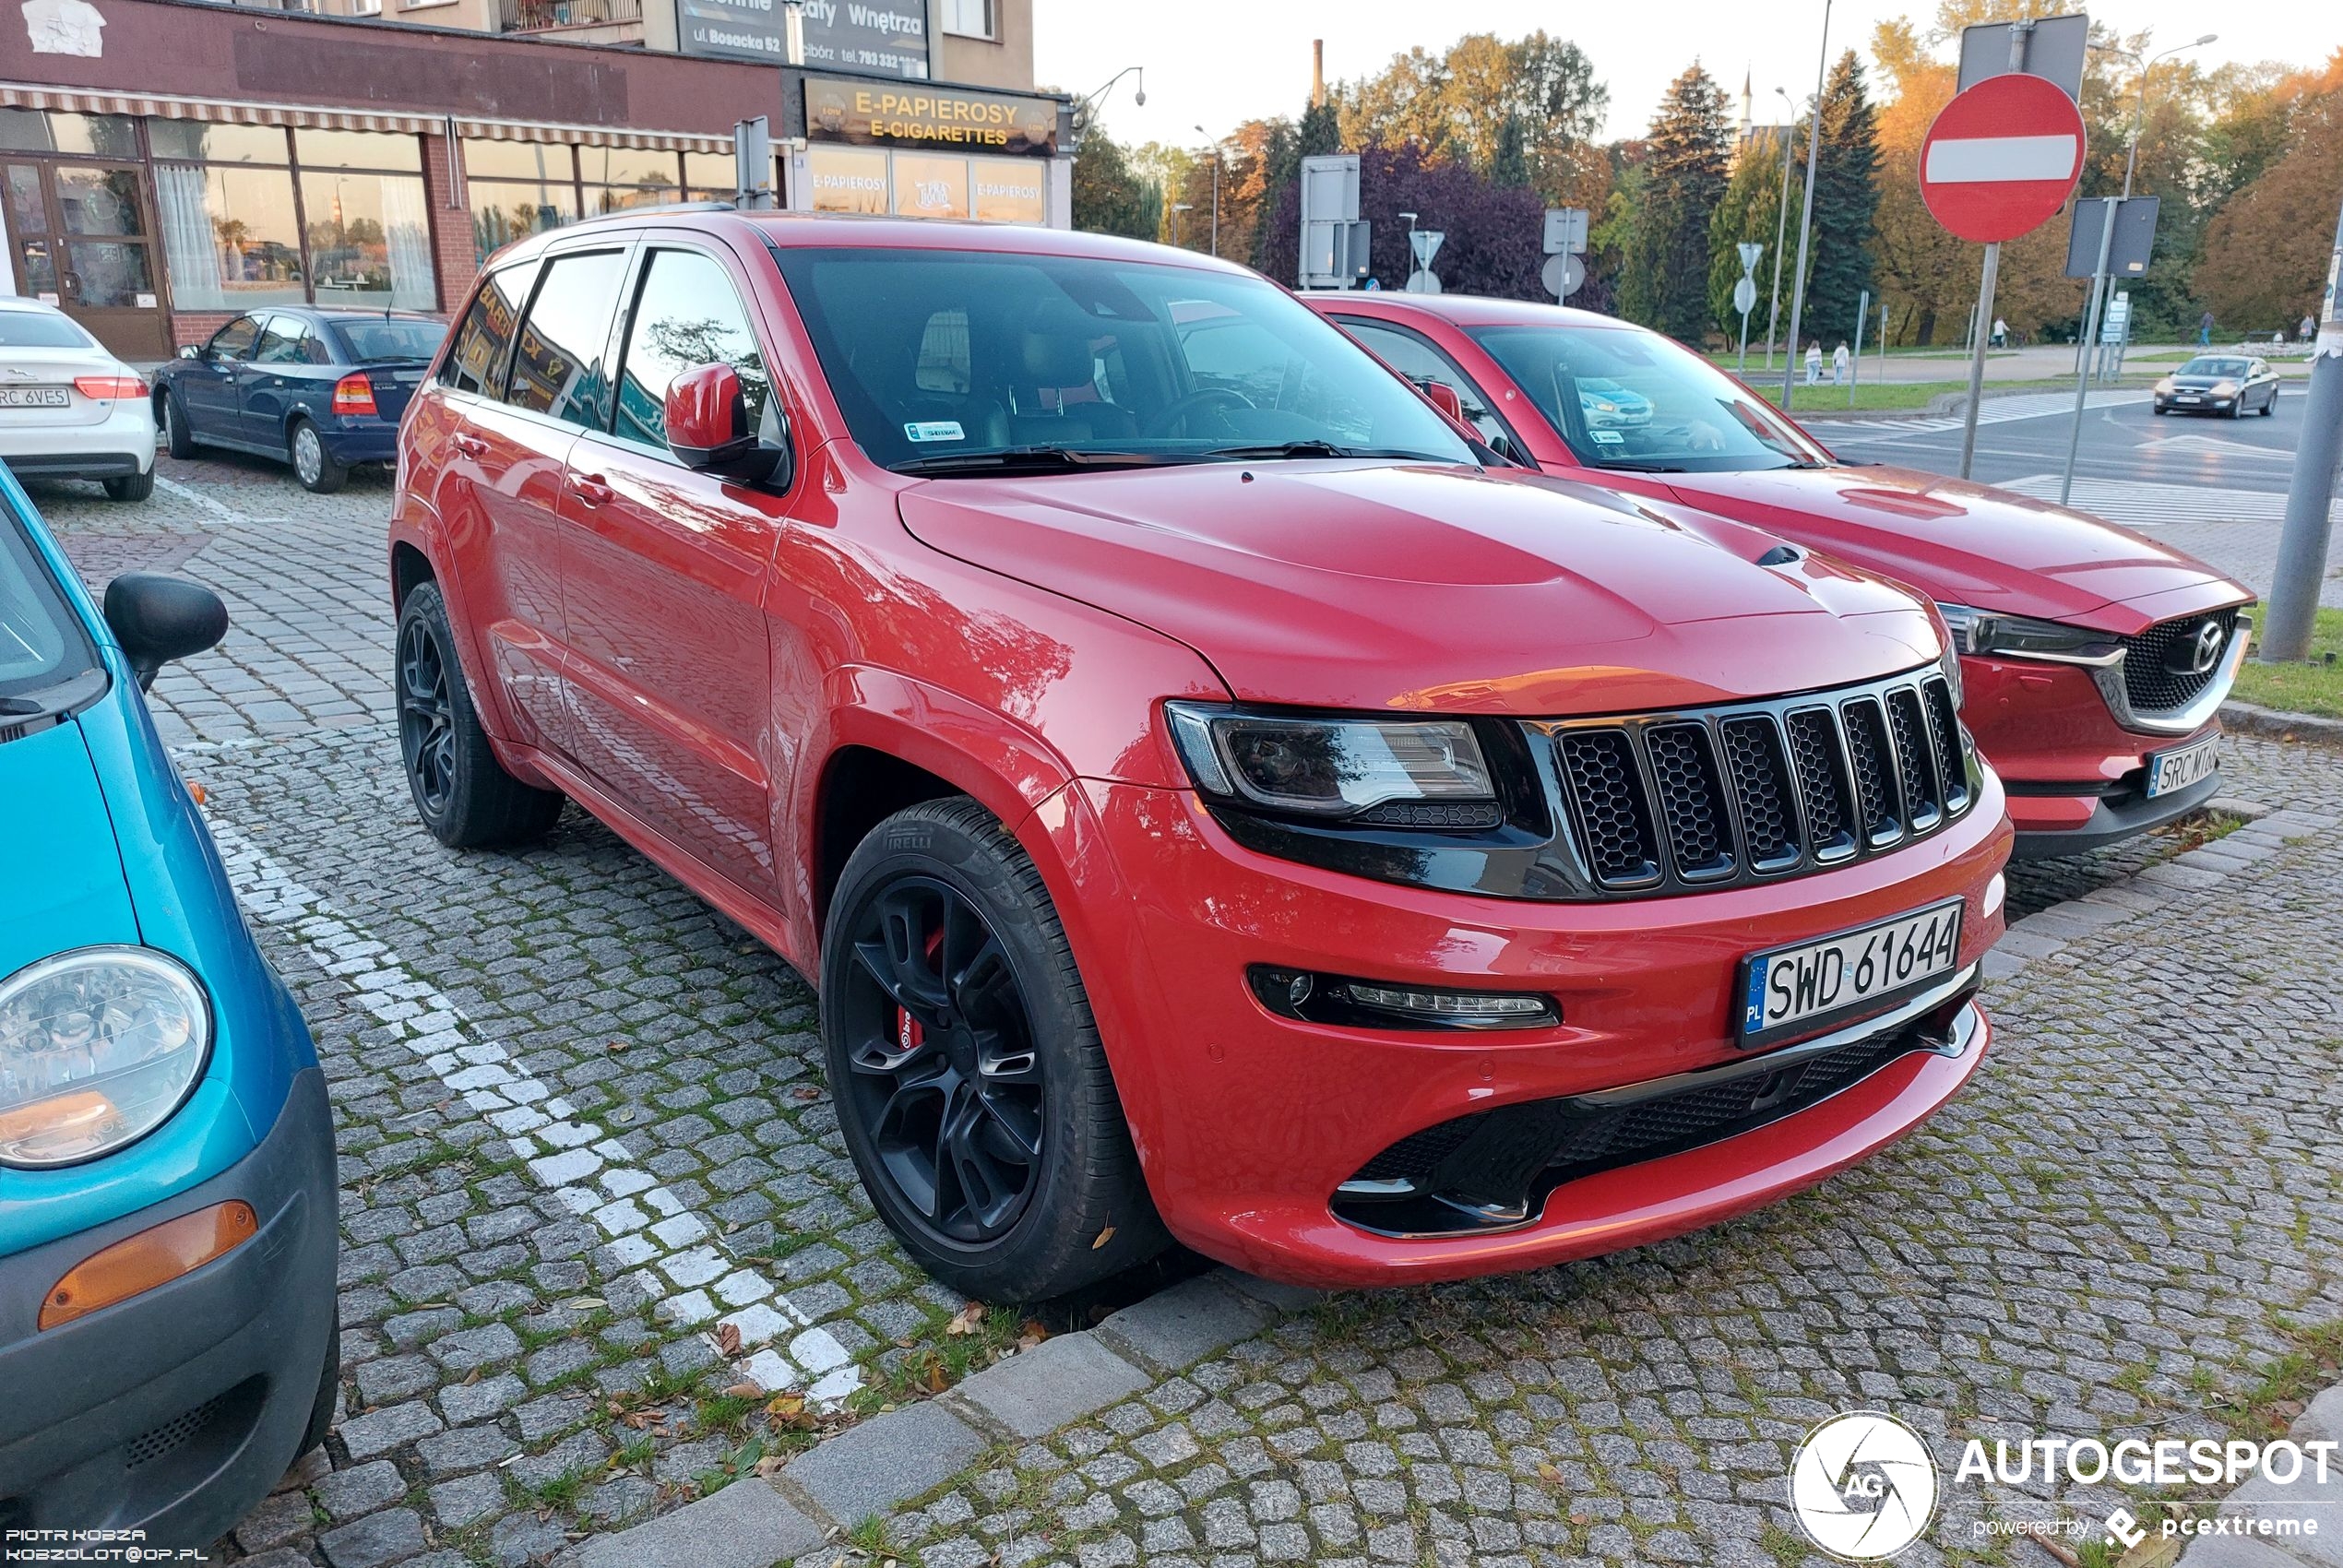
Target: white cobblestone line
{"type": "Point", "coordinates": [681, 1266]}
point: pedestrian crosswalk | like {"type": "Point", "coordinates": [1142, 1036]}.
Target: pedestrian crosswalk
{"type": "Point", "coordinates": [2137, 504]}
{"type": "Point", "coordinates": [1997, 411]}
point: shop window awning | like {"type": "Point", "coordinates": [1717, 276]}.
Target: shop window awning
{"type": "Point", "coordinates": [219, 111]}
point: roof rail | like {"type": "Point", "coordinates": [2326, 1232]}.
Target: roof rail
{"type": "Point", "coordinates": [710, 204]}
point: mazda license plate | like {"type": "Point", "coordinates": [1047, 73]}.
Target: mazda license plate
{"type": "Point", "coordinates": [1796, 990]}
{"type": "Point", "coordinates": [34, 398]}
{"type": "Point", "coordinates": [2183, 766]}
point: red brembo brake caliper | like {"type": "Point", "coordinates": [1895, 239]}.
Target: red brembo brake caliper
{"type": "Point", "coordinates": [909, 1034]}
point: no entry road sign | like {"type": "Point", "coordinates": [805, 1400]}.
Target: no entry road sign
{"type": "Point", "coordinates": [2002, 159]}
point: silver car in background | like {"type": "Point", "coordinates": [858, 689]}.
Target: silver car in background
{"type": "Point", "coordinates": [68, 409]}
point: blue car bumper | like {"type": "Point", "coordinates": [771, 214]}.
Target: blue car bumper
{"type": "Point", "coordinates": [351, 442]}
{"type": "Point", "coordinates": [173, 1410]}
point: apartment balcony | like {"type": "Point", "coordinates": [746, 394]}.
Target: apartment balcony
{"type": "Point", "coordinates": [575, 21]}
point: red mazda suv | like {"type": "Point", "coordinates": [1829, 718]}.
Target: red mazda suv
{"type": "Point", "coordinates": [2095, 660]}
{"type": "Point", "coordinates": [1204, 799]}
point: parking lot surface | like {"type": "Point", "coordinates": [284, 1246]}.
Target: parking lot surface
{"type": "Point", "coordinates": [2127, 1226]}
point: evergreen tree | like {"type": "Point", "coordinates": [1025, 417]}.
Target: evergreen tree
{"type": "Point", "coordinates": [1510, 165]}
{"type": "Point", "coordinates": [1108, 197]}
{"type": "Point", "coordinates": [1664, 280]}
{"type": "Point", "coordinates": [1751, 210]}
{"type": "Point", "coordinates": [1321, 131]}
{"type": "Point", "coordinates": [1846, 206]}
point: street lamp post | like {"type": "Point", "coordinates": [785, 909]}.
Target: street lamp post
{"type": "Point", "coordinates": [1139, 95]}
{"type": "Point", "coordinates": [1806, 213]}
{"type": "Point", "coordinates": [1216, 190]}
{"type": "Point", "coordinates": [1781, 223]}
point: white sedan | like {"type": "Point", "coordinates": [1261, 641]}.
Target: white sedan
{"type": "Point", "coordinates": [68, 409]}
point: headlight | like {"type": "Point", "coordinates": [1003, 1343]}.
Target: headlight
{"type": "Point", "coordinates": [2165, 386]}
{"type": "Point", "coordinates": [98, 1047]}
{"type": "Point", "coordinates": [2017, 636]}
{"type": "Point", "coordinates": [1601, 407]}
{"type": "Point", "coordinates": [2225, 389]}
{"type": "Point", "coordinates": [1427, 773]}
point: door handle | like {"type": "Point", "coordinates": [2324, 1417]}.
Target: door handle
{"type": "Point", "coordinates": [469, 446]}
{"type": "Point", "coordinates": [591, 490]}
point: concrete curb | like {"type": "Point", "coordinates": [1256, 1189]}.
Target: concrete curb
{"type": "Point", "coordinates": [2320, 1421]}
{"type": "Point", "coordinates": [876, 1465]}
{"type": "Point", "coordinates": [2279, 724]}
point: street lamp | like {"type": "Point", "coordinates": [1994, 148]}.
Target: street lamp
{"type": "Point", "coordinates": [1781, 222]}
{"type": "Point", "coordinates": [2139, 110]}
{"type": "Point", "coordinates": [1138, 96]}
{"type": "Point", "coordinates": [1806, 212]}
{"type": "Point", "coordinates": [1216, 189]}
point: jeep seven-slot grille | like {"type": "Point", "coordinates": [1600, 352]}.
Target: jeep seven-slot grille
{"type": "Point", "coordinates": [2159, 672]}
{"type": "Point", "coordinates": [1680, 801]}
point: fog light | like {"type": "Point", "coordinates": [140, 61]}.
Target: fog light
{"type": "Point", "coordinates": [152, 1257]}
{"type": "Point", "coordinates": [1377, 1004]}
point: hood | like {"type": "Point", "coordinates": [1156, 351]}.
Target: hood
{"type": "Point", "coordinates": [1966, 543]}
{"type": "Point", "coordinates": [1372, 585]}
{"type": "Point", "coordinates": [65, 881]}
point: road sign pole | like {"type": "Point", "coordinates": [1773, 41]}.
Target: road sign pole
{"type": "Point", "coordinates": [1744, 343]}
{"type": "Point", "coordinates": [1805, 215]}
{"type": "Point", "coordinates": [1977, 356]}
{"type": "Point", "coordinates": [2302, 548]}
{"type": "Point", "coordinates": [2090, 334]}
{"type": "Point", "coordinates": [1882, 342]}
{"type": "Point", "coordinates": [1855, 365]}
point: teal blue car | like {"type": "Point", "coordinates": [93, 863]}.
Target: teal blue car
{"type": "Point", "coordinates": [168, 1234]}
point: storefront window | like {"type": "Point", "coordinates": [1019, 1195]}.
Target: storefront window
{"type": "Point", "coordinates": [710, 176]}
{"type": "Point", "coordinates": [847, 179]}
{"type": "Point", "coordinates": [369, 239]}
{"type": "Point", "coordinates": [231, 236]}
{"type": "Point", "coordinates": [504, 211]}
{"type": "Point", "coordinates": [618, 178]}
{"type": "Point", "coordinates": [200, 143]}
{"type": "Point", "coordinates": [931, 188]}
{"type": "Point", "coordinates": [46, 130]}
{"type": "Point", "coordinates": [358, 149]}
{"type": "Point", "coordinates": [1008, 190]}
{"type": "Point", "coordinates": [485, 159]}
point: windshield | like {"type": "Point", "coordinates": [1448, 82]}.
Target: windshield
{"type": "Point", "coordinates": [42, 644]}
{"type": "Point", "coordinates": [376, 342]}
{"type": "Point", "coordinates": [1627, 399]}
{"type": "Point", "coordinates": [978, 361]}
{"type": "Point", "coordinates": [2213, 367]}
{"type": "Point", "coordinates": [38, 329]}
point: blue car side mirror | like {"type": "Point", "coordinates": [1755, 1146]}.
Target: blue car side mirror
{"type": "Point", "coordinates": [156, 619]}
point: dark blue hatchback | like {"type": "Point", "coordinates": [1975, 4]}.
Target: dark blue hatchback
{"type": "Point", "coordinates": [322, 388]}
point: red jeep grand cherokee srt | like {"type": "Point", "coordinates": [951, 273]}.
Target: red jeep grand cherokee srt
{"type": "Point", "coordinates": [1207, 800]}
{"type": "Point", "coordinates": [2095, 660]}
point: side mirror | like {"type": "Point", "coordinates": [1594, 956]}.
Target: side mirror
{"type": "Point", "coordinates": [156, 619]}
{"type": "Point", "coordinates": [1443, 397]}
{"type": "Point", "coordinates": [708, 427]}
{"type": "Point", "coordinates": [190, 351]}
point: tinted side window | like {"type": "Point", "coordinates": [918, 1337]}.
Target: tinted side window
{"type": "Point", "coordinates": [686, 315]}
{"type": "Point", "coordinates": [557, 367]}
{"type": "Point", "coordinates": [1419, 361]}
{"type": "Point", "coordinates": [234, 340]}
{"type": "Point", "coordinates": [281, 343]}
{"type": "Point", "coordinates": [474, 365]}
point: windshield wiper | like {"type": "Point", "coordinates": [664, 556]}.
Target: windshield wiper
{"type": "Point", "coordinates": [1318, 449]}
{"type": "Point", "coordinates": [1041, 459]}
{"type": "Point", "coordinates": [1645, 468]}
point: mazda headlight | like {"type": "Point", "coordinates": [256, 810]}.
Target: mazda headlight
{"type": "Point", "coordinates": [98, 1047]}
{"type": "Point", "coordinates": [1407, 772]}
{"type": "Point", "coordinates": [2019, 636]}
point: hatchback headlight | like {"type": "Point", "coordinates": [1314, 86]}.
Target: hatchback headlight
{"type": "Point", "coordinates": [2020, 637]}
{"type": "Point", "coordinates": [98, 1047]}
{"type": "Point", "coordinates": [1335, 767]}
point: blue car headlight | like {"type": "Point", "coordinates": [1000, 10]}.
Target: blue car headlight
{"type": "Point", "coordinates": [98, 1047]}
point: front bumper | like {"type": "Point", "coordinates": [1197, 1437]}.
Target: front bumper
{"type": "Point", "coordinates": [1248, 1122]}
{"type": "Point", "coordinates": [176, 1410]}
{"type": "Point", "coordinates": [2076, 778]}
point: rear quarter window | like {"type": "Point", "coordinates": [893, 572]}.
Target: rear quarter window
{"type": "Point", "coordinates": [475, 364]}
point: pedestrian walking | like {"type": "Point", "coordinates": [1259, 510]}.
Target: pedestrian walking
{"type": "Point", "coordinates": [2310, 328]}
{"type": "Point", "coordinates": [1839, 364]}
{"type": "Point", "coordinates": [1813, 364]}
{"type": "Point", "coordinates": [2204, 328]}
{"type": "Point", "coordinates": [2001, 333]}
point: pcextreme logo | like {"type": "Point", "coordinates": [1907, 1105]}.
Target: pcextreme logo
{"type": "Point", "coordinates": [1864, 1486]}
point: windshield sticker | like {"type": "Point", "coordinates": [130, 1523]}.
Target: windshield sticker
{"type": "Point", "coordinates": [1609, 437]}
{"type": "Point", "coordinates": [935, 430]}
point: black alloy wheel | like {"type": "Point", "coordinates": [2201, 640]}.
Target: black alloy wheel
{"type": "Point", "coordinates": [947, 1083]}
{"type": "Point", "coordinates": [426, 717]}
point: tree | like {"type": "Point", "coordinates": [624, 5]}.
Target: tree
{"type": "Point", "coordinates": [2265, 253]}
{"type": "Point", "coordinates": [1664, 281]}
{"type": "Point", "coordinates": [1510, 166]}
{"type": "Point", "coordinates": [1846, 204]}
{"type": "Point", "coordinates": [1108, 196]}
{"type": "Point", "coordinates": [1748, 211]}
{"type": "Point", "coordinates": [1463, 104]}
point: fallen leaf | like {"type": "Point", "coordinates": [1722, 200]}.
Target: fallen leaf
{"type": "Point", "coordinates": [728, 1339]}
{"type": "Point", "coordinates": [617, 1045]}
{"type": "Point", "coordinates": [769, 1464]}
{"type": "Point", "coordinates": [747, 1388]}
{"type": "Point", "coordinates": [789, 1402]}
{"type": "Point", "coordinates": [1580, 1518]}
{"type": "Point", "coordinates": [937, 1383]}
{"type": "Point", "coordinates": [1550, 1474]}
{"type": "Point", "coordinates": [805, 1091]}
{"type": "Point", "coordinates": [1104, 1237]}
{"type": "Point", "coordinates": [583, 1303]}
{"type": "Point", "coordinates": [967, 1319]}
{"type": "Point", "coordinates": [472, 1377]}
{"type": "Point", "coordinates": [1032, 1334]}
{"type": "Point", "coordinates": [905, 1343]}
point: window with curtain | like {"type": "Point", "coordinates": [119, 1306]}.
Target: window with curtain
{"type": "Point", "coordinates": [616, 178]}
{"type": "Point", "coordinates": [369, 226]}
{"type": "Point", "coordinates": [517, 188]}
{"type": "Point", "coordinates": [231, 236]}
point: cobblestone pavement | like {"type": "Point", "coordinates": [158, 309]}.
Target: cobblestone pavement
{"type": "Point", "coordinates": [2126, 1220]}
